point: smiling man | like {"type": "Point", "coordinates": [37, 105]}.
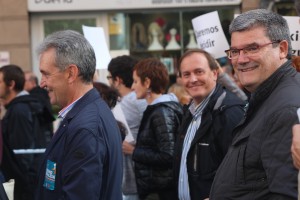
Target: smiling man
{"type": "Point", "coordinates": [258, 164]}
{"type": "Point", "coordinates": [84, 157]}
{"type": "Point", "coordinates": [206, 129]}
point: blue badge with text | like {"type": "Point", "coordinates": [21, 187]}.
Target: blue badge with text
{"type": "Point", "coordinates": [49, 181]}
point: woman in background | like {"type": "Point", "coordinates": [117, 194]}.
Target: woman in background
{"type": "Point", "coordinates": [154, 150]}
{"type": "Point", "coordinates": [183, 97]}
{"type": "Point", "coordinates": [111, 97]}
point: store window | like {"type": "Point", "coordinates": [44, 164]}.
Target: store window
{"type": "Point", "coordinates": [161, 34]}
{"type": "Point", "coordinates": [53, 25]}
{"type": "Point", "coordinates": [285, 8]}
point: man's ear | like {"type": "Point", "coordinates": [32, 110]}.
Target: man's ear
{"type": "Point", "coordinates": [118, 81]}
{"type": "Point", "coordinates": [11, 85]}
{"type": "Point", "coordinates": [215, 74]}
{"type": "Point", "coordinates": [72, 73]}
{"type": "Point", "coordinates": [284, 48]}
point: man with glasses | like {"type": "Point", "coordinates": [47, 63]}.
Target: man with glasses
{"type": "Point", "coordinates": [120, 78]}
{"type": "Point", "coordinates": [258, 164]}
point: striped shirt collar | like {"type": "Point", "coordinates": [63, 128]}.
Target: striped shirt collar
{"type": "Point", "coordinates": [197, 109]}
{"type": "Point", "coordinates": [63, 112]}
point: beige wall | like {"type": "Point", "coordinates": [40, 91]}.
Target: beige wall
{"type": "Point", "coordinates": [14, 32]}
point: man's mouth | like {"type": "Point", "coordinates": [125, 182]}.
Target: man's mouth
{"type": "Point", "coordinates": [247, 69]}
{"type": "Point", "coordinates": [194, 86]}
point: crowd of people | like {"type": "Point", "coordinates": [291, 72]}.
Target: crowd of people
{"type": "Point", "coordinates": [139, 139]}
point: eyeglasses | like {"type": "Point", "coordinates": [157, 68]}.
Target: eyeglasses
{"type": "Point", "coordinates": [249, 50]}
{"type": "Point", "coordinates": [108, 77]}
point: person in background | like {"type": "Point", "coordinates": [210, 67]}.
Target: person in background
{"type": "Point", "coordinates": [296, 62]}
{"type": "Point", "coordinates": [111, 97]}
{"type": "Point", "coordinates": [154, 150]}
{"type": "Point", "coordinates": [20, 130]}
{"type": "Point", "coordinates": [259, 164]}
{"type": "Point", "coordinates": [120, 78]}
{"type": "Point", "coordinates": [2, 111]}
{"type": "Point", "coordinates": [296, 128]}
{"type": "Point", "coordinates": [183, 97]}
{"type": "Point", "coordinates": [84, 156]}
{"type": "Point", "coordinates": [32, 86]}
{"type": "Point", "coordinates": [206, 129]}
{"type": "Point", "coordinates": [296, 146]}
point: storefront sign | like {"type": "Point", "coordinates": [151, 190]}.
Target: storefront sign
{"type": "Point", "coordinates": [210, 35]}
{"type": "Point", "coordinates": [75, 5]}
{"type": "Point", "coordinates": [4, 58]}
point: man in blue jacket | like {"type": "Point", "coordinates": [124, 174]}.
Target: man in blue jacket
{"type": "Point", "coordinates": [84, 158]}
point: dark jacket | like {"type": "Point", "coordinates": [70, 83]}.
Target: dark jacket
{"type": "Point", "coordinates": [3, 195]}
{"type": "Point", "coordinates": [258, 164]}
{"type": "Point", "coordinates": [47, 118]}
{"type": "Point", "coordinates": [222, 113]}
{"type": "Point", "coordinates": [84, 158]}
{"type": "Point", "coordinates": [154, 151]}
{"type": "Point", "coordinates": [20, 127]}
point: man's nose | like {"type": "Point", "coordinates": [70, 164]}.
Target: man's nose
{"type": "Point", "coordinates": [242, 58]}
{"type": "Point", "coordinates": [193, 77]}
{"type": "Point", "coordinates": [43, 82]}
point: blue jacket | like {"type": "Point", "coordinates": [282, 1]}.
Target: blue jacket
{"type": "Point", "coordinates": [222, 113]}
{"type": "Point", "coordinates": [84, 158]}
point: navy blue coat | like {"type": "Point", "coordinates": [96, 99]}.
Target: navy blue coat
{"type": "Point", "coordinates": [84, 158]}
{"type": "Point", "coordinates": [222, 113]}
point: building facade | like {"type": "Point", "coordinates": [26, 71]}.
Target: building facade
{"type": "Point", "coordinates": [127, 23]}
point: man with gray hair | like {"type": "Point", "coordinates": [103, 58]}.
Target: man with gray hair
{"type": "Point", "coordinates": [84, 157]}
{"type": "Point", "coordinates": [258, 164]}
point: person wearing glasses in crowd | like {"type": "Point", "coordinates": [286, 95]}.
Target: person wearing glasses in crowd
{"type": "Point", "coordinates": [120, 77]}
{"type": "Point", "coordinates": [258, 164]}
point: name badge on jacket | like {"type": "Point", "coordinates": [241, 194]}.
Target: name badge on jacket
{"type": "Point", "coordinates": [49, 182]}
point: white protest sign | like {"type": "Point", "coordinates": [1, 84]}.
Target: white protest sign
{"type": "Point", "coordinates": [294, 26]}
{"type": "Point", "coordinates": [119, 115]}
{"type": "Point", "coordinates": [4, 58]}
{"type": "Point", "coordinates": [96, 37]}
{"type": "Point", "coordinates": [210, 35]}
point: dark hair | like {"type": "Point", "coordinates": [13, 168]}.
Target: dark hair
{"type": "Point", "coordinates": [156, 71]}
{"type": "Point", "coordinates": [13, 73]}
{"type": "Point", "coordinates": [108, 94]}
{"type": "Point", "coordinates": [122, 66]}
{"type": "Point", "coordinates": [122, 129]}
{"type": "Point", "coordinates": [211, 61]}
